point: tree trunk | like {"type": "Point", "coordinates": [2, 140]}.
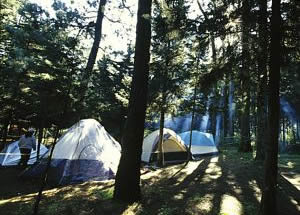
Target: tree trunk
{"type": "Point", "coordinates": [262, 77]}
{"type": "Point", "coordinates": [127, 183]}
{"type": "Point", "coordinates": [93, 54]}
{"type": "Point", "coordinates": [213, 112]}
{"type": "Point", "coordinates": [294, 134]}
{"type": "Point", "coordinates": [160, 155]}
{"type": "Point", "coordinates": [269, 199]}
{"type": "Point", "coordinates": [40, 138]}
{"type": "Point", "coordinates": [245, 144]}
{"type": "Point", "coordinates": [193, 111]}
{"type": "Point", "coordinates": [191, 132]}
{"type": "Point", "coordinates": [5, 128]}
{"type": "Point", "coordinates": [231, 108]}
{"type": "Point", "coordinates": [163, 107]}
{"type": "Point", "coordinates": [297, 131]}
{"type": "Point", "coordinates": [283, 129]}
{"type": "Point", "coordinates": [44, 177]}
{"type": "Point", "coordinates": [220, 118]}
{"type": "Point", "coordinates": [4, 134]}
{"type": "Point", "coordinates": [225, 111]}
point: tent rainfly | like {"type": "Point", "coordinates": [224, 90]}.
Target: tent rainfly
{"type": "Point", "coordinates": [173, 147]}
{"type": "Point", "coordinates": [85, 152]}
{"type": "Point", "coordinates": [202, 143]}
{"type": "Point", "coordinates": [11, 156]}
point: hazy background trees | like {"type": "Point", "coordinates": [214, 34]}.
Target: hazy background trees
{"type": "Point", "coordinates": [207, 57]}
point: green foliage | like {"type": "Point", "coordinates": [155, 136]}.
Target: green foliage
{"type": "Point", "coordinates": [166, 210]}
{"type": "Point", "coordinates": [40, 68]}
{"type": "Point", "coordinates": [42, 59]}
{"type": "Point", "coordinates": [104, 194]}
{"type": "Point", "coordinates": [109, 90]}
{"type": "Point", "coordinates": [289, 162]}
{"type": "Point", "coordinates": [168, 71]}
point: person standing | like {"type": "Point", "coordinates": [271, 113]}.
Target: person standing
{"type": "Point", "coordinates": [26, 143]}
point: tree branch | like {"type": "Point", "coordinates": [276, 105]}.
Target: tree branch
{"type": "Point", "coordinates": [112, 20]}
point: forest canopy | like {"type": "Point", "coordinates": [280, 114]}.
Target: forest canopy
{"type": "Point", "coordinates": [217, 47]}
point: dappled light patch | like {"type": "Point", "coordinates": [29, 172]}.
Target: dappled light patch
{"type": "Point", "coordinates": [200, 204]}
{"type": "Point", "coordinates": [180, 195]}
{"type": "Point", "coordinates": [288, 165]}
{"type": "Point", "coordinates": [293, 177]}
{"type": "Point", "coordinates": [178, 171]}
{"type": "Point", "coordinates": [256, 191]}
{"type": "Point", "coordinates": [211, 186]}
{"type": "Point", "coordinates": [230, 205]}
{"type": "Point", "coordinates": [213, 171]}
{"type": "Point", "coordinates": [103, 194]}
{"type": "Point", "coordinates": [189, 169]}
{"type": "Point", "coordinates": [18, 199]}
{"type": "Point", "coordinates": [205, 180]}
{"type": "Point", "coordinates": [236, 188]}
{"type": "Point", "coordinates": [133, 209]}
{"type": "Point", "coordinates": [214, 159]}
{"type": "Point", "coordinates": [294, 202]}
{"type": "Point", "coordinates": [192, 166]}
{"type": "Point", "coordinates": [74, 198]}
{"type": "Point", "coordinates": [231, 179]}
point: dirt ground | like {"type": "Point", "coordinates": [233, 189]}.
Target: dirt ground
{"type": "Point", "coordinates": [227, 184]}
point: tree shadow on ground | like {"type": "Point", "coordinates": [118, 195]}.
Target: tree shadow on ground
{"type": "Point", "coordinates": [12, 185]}
{"type": "Point", "coordinates": [202, 187]}
{"type": "Point", "coordinates": [288, 197]}
{"type": "Point", "coordinates": [172, 189]}
{"type": "Point", "coordinates": [200, 192]}
{"type": "Point", "coordinates": [236, 181]}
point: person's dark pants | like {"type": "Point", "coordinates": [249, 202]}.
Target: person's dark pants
{"type": "Point", "coordinates": [25, 155]}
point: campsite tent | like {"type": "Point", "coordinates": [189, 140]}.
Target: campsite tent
{"type": "Point", "coordinates": [85, 152]}
{"type": "Point", "coordinates": [202, 143]}
{"type": "Point", "coordinates": [173, 147]}
{"type": "Point", "coordinates": [10, 155]}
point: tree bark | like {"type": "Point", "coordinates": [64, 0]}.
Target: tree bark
{"type": "Point", "coordinates": [245, 144]}
{"type": "Point", "coordinates": [40, 138]}
{"type": "Point", "coordinates": [127, 184]}
{"type": "Point", "coordinates": [5, 131]}
{"type": "Point", "coordinates": [93, 53]}
{"type": "Point", "coordinates": [297, 130]}
{"type": "Point", "coordinates": [160, 155]}
{"type": "Point", "coordinates": [163, 109]}
{"type": "Point", "coordinates": [269, 199]}
{"type": "Point", "coordinates": [193, 113]}
{"type": "Point", "coordinates": [262, 78]}
{"type": "Point", "coordinates": [213, 111]}
{"type": "Point", "coordinates": [231, 107]}
{"type": "Point", "coordinates": [44, 177]}
{"type": "Point", "coordinates": [283, 130]}
{"type": "Point", "coordinates": [225, 110]}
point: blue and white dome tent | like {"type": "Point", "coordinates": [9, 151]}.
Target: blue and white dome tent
{"type": "Point", "coordinates": [85, 152]}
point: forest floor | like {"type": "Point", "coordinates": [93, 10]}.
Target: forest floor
{"type": "Point", "coordinates": [226, 184]}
